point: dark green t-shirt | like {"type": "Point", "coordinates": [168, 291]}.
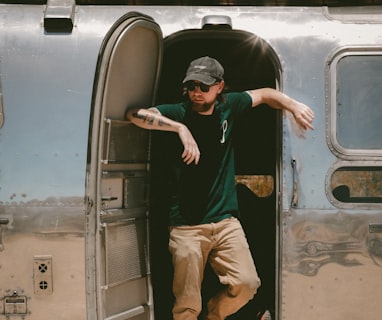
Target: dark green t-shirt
{"type": "Point", "coordinates": [206, 192]}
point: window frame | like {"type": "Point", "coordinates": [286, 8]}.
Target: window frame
{"type": "Point", "coordinates": [331, 103]}
{"type": "Point", "coordinates": [349, 164]}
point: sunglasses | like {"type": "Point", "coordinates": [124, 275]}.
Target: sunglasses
{"type": "Point", "coordinates": [190, 85]}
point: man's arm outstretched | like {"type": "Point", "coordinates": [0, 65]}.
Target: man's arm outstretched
{"type": "Point", "coordinates": [152, 119]}
{"type": "Point", "coordinates": [302, 113]}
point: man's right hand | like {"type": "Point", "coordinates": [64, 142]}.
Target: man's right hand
{"type": "Point", "coordinates": [191, 151]}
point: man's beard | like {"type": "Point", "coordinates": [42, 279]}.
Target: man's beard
{"type": "Point", "coordinates": [201, 107]}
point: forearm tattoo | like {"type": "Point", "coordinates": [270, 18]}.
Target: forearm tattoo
{"type": "Point", "coordinates": [150, 120]}
{"type": "Point", "coordinates": [147, 118]}
{"type": "Point", "coordinates": [163, 123]}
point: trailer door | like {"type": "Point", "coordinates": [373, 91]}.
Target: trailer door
{"type": "Point", "coordinates": [118, 268]}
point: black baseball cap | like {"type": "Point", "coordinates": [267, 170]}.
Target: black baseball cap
{"type": "Point", "coordinates": [206, 70]}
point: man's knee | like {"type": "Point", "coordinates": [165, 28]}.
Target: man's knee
{"type": "Point", "coordinates": [255, 282]}
{"type": "Point", "coordinates": [247, 286]}
{"type": "Point", "coordinates": [185, 314]}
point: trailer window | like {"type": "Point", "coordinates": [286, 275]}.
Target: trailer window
{"type": "Point", "coordinates": [358, 104]}
{"type": "Point", "coordinates": [357, 184]}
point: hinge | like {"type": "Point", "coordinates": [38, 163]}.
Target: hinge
{"type": "Point", "coordinates": [89, 203]}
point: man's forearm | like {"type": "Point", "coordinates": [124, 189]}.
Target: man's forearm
{"type": "Point", "coordinates": [303, 114]}
{"type": "Point", "coordinates": [271, 97]}
{"type": "Point", "coordinates": [151, 120]}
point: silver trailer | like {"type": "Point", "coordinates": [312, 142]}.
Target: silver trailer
{"type": "Point", "coordinates": [83, 230]}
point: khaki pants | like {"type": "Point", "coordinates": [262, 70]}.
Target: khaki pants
{"type": "Point", "coordinates": [225, 246]}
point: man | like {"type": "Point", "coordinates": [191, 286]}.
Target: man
{"type": "Point", "coordinates": [203, 223]}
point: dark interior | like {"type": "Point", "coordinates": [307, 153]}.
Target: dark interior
{"type": "Point", "coordinates": [249, 63]}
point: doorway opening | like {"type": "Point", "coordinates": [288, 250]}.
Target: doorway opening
{"type": "Point", "coordinates": [249, 63]}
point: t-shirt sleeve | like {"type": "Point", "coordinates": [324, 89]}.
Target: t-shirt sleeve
{"type": "Point", "coordinates": [239, 101]}
{"type": "Point", "coordinates": [172, 111]}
